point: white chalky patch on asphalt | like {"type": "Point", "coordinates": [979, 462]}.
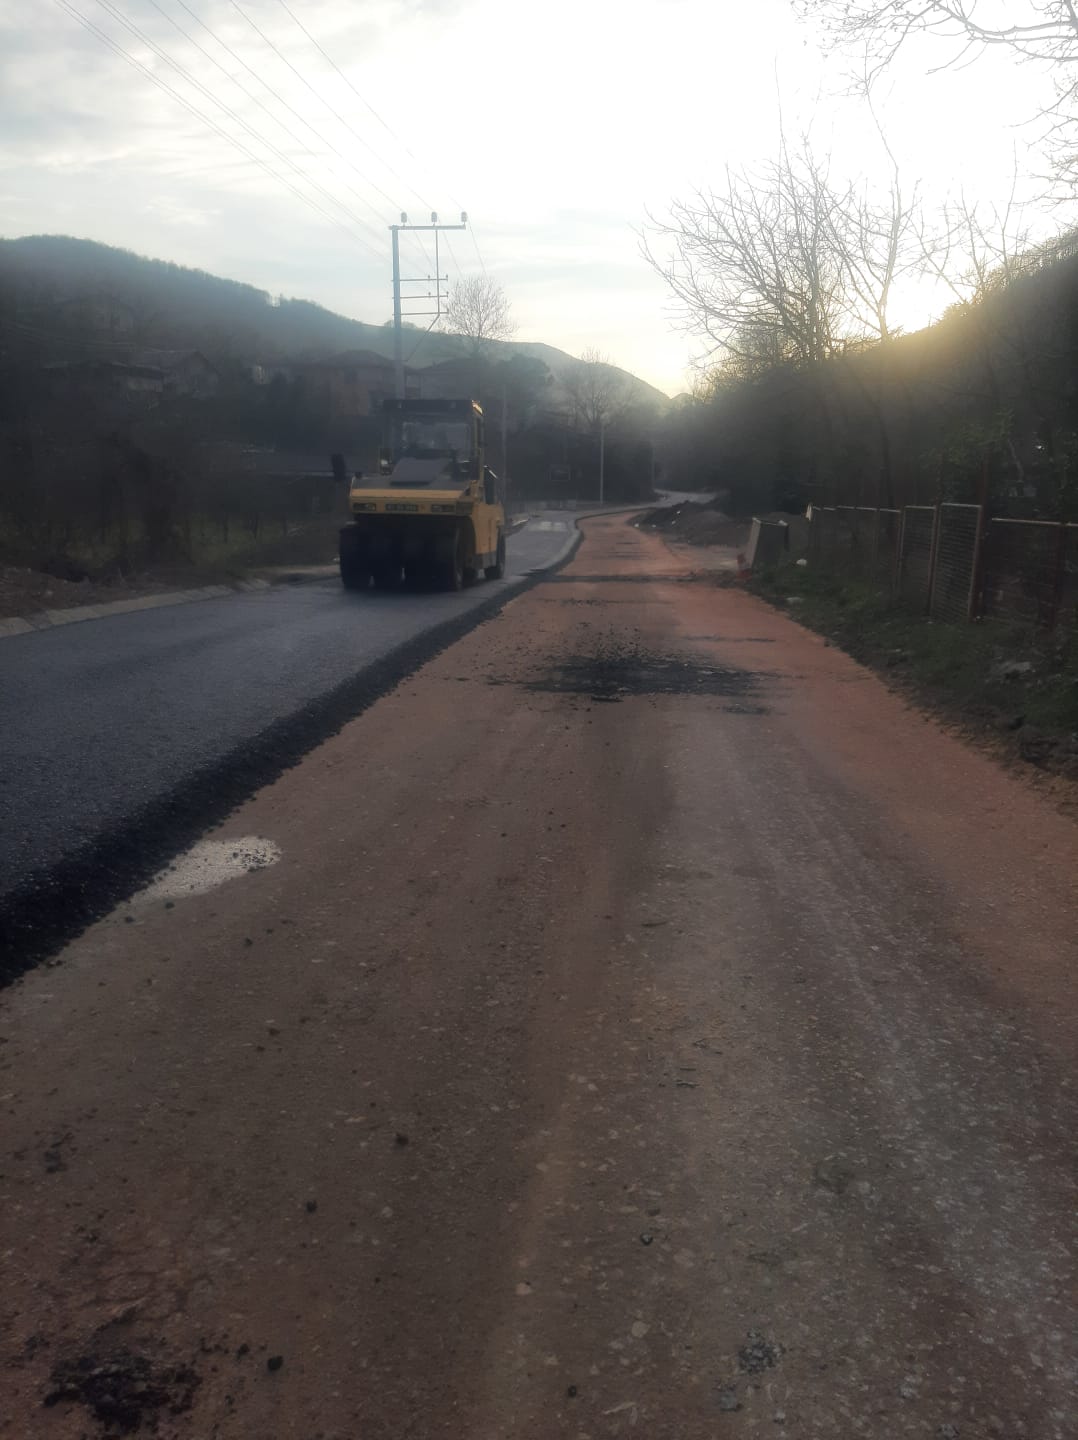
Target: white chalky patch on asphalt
{"type": "Point", "coordinates": [211, 863]}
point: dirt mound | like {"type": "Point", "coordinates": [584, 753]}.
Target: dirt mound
{"type": "Point", "coordinates": [698, 524]}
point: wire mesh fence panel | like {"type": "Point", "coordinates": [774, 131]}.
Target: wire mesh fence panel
{"type": "Point", "coordinates": [915, 562]}
{"type": "Point", "coordinates": [814, 536]}
{"type": "Point", "coordinates": [850, 539]}
{"type": "Point", "coordinates": [886, 549]}
{"type": "Point", "coordinates": [1067, 610]}
{"type": "Point", "coordinates": [828, 533]}
{"type": "Point", "coordinates": [858, 524]}
{"type": "Point", "coordinates": [1028, 568]}
{"type": "Point", "coordinates": [825, 547]}
{"type": "Point", "coordinates": [1021, 570]}
{"type": "Point", "coordinates": [956, 552]}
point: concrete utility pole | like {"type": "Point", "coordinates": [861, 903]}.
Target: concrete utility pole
{"type": "Point", "coordinates": [505, 434]}
{"type": "Point", "coordinates": [398, 333]}
{"type": "Point", "coordinates": [435, 294]}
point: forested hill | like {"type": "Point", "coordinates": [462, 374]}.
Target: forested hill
{"type": "Point", "coordinates": [56, 288]}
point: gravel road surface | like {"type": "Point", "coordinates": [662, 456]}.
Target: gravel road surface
{"type": "Point", "coordinates": [637, 1023]}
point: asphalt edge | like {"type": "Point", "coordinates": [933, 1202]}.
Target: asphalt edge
{"type": "Point", "coordinates": [76, 614]}
{"type": "Point", "coordinates": [37, 920]}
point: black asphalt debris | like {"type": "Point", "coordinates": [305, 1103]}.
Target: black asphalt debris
{"type": "Point", "coordinates": [123, 1391]}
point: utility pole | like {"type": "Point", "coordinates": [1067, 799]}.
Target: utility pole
{"type": "Point", "coordinates": [398, 281]}
{"type": "Point", "coordinates": [602, 458]}
{"type": "Point", "coordinates": [505, 434]}
{"type": "Point", "coordinates": [398, 333]}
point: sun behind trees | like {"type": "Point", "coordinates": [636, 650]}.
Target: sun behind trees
{"type": "Point", "coordinates": [788, 274]}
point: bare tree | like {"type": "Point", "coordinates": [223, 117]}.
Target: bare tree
{"type": "Point", "coordinates": [1045, 33]}
{"type": "Point", "coordinates": [879, 239]}
{"type": "Point", "coordinates": [479, 309]}
{"type": "Point", "coordinates": [1048, 31]}
{"type": "Point", "coordinates": [752, 266]}
{"type": "Point", "coordinates": [599, 392]}
{"type": "Point", "coordinates": [782, 266]}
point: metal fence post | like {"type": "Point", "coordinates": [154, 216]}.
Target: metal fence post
{"type": "Point", "coordinates": [900, 550]}
{"type": "Point", "coordinates": [933, 555]}
{"type": "Point", "coordinates": [1057, 576]}
{"type": "Point", "coordinates": [973, 605]}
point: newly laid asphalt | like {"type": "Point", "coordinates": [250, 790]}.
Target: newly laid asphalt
{"type": "Point", "coordinates": [102, 721]}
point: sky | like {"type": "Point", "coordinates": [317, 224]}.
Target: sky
{"type": "Point", "coordinates": [559, 128]}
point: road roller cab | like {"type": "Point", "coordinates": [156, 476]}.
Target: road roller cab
{"type": "Point", "coordinates": [433, 513]}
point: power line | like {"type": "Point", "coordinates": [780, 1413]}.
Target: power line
{"type": "Point", "coordinates": [320, 98]}
{"type": "Point", "coordinates": [456, 263]}
{"type": "Point", "coordinates": [234, 80]}
{"type": "Point", "coordinates": [206, 120]}
{"type": "Point", "coordinates": [237, 119]}
{"type": "Point", "coordinates": [282, 101]}
{"type": "Point", "coordinates": [381, 120]}
{"type": "Point", "coordinates": [431, 266]}
{"type": "Point", "coordinates": [475, 242]}
{"type": "Point", "coordinates": [360, 96]}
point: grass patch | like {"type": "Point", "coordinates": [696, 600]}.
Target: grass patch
{"type": "Point", "coordinates": [200, 550]}
{"type": "Point", "coordinates": [992, 674]}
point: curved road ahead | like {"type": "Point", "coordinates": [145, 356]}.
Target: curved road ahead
{"type": "Point", "coordinates": [103, 719]}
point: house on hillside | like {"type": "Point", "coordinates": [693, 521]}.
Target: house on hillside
{"type": "Point", "coordinates": [94, 380]}
{"type": "Point", "coordinates": [449, 380]}
{"type": "Point", "coordinates": [184, 372]}
{"type": "Point", "coordinates": [353, 384]}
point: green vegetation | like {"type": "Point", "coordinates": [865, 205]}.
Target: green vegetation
{"type": "Point", "coordinates": [998, 677]}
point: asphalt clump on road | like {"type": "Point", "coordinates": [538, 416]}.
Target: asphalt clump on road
{"type": "Point", "coordinates": [758, 1354]}
{"type": "Point", "coordinates": [123, 1391]}
{"type": "Point", "coordinates": [612, 673]}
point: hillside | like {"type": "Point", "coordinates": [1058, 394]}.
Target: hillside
{"type": "Point", "coordinates": [60, 290]}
